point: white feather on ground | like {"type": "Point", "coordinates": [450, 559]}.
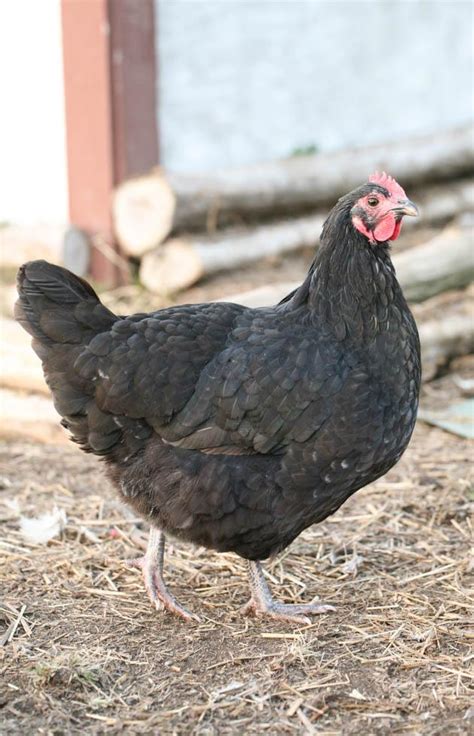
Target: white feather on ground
{"type": "Point", "coordinates": [45, 527]}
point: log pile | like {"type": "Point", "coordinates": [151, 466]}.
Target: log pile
{"type": "Point", "coordinates": [443, 263]}
{"type": "Point", "coordinates": [148, 208]}
{"type": "Point", "coordinates": [181, 228]}
{"type": "Point", "coordinates": [446, 328]}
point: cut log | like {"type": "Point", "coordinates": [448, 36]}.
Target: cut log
{"type": "Point", "coordinates": [182, 261]}
{"type": "Point", "coordinates": [143, 210]}
{"type": "Point", "coordinates": [444, 339]}
{"type": "Point", "coordinates": [446, 327]}
{"type": "Point", "coordinates": [442, 202]}
{"type": "Point", "coordinates": [148, 208]}
{"type": "Point", "coordinates": [445, 262]}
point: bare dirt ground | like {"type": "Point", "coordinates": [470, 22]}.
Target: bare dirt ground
{"type": "Point", "coordinates": [90, 655]}
{"type": "Point", "coordinates": [84, 652]}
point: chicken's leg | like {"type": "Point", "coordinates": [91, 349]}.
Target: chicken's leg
{"type": "Point", "coordinates": [262, 603]}
{"type": "Point", "coordinates": [151, 565]}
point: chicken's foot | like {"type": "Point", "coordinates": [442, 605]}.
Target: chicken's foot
{"type": "Point", "coordinates": [151, 565]}
{"type": "Point", "coordinates": [262, 603]}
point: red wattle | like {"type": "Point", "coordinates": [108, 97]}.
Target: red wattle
{"type": "Point", "coordinates": [388, 228]}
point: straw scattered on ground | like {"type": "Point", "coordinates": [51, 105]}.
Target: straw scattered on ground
{"type": "Point", "coordinates": [84, 652]}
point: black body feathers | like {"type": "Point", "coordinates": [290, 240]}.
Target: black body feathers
{"type": "Point", "coordinates": [231, 427]}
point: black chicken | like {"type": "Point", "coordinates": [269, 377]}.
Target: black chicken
{"type": "Point", "coordinates": [237, 428]}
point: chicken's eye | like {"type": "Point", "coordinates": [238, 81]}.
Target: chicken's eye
{"type": "Point", "coordinates": [373, 201]}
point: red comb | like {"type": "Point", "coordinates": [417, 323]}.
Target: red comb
{"type": "Point", "coordinates": [384, 180]}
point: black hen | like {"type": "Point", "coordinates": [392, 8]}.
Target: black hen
{"type": "Point", "coordinates": [237, 428]}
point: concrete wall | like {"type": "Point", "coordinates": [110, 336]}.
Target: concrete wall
{"type": "Point", "coordinates": [248, 80]}
{"type": "Point", "coordinates": [33, 183]}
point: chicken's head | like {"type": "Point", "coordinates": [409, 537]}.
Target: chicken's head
{"type": "Point", "coordinates": [378, 213]}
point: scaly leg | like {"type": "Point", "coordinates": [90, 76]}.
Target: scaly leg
{"type": "Point", "coordinates": [262, 603]}
{"type": "Point", "coordinates": [151, 565]}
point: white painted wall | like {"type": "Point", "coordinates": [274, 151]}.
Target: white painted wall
{"type": "Point", "coordinates": [33, 181]}
{"type": "Point", "coordinates": [248, 80]}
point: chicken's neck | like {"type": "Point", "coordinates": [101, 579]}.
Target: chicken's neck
{"type": "Point", "coordinates": [351, 286]}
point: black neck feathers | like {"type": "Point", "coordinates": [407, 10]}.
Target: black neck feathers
{"type": "Point", "coordinates": [351, 284]}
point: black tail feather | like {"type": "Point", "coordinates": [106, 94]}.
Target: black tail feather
{"type": "Point", "coordinates": [55, 306]}
{"type": "Point", "coordinates": [63, 314]}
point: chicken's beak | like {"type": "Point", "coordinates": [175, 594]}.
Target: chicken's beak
{"type": "Point", "coordinates": [406, 207]}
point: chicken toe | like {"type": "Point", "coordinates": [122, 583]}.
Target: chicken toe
{"type": "Point", "coordinates": [262, 604]}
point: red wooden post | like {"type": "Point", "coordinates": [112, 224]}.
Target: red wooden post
{"type": "Point", "coordinates": [109, 78]}
{"type": "Point", "coordinates": [134, 96]}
